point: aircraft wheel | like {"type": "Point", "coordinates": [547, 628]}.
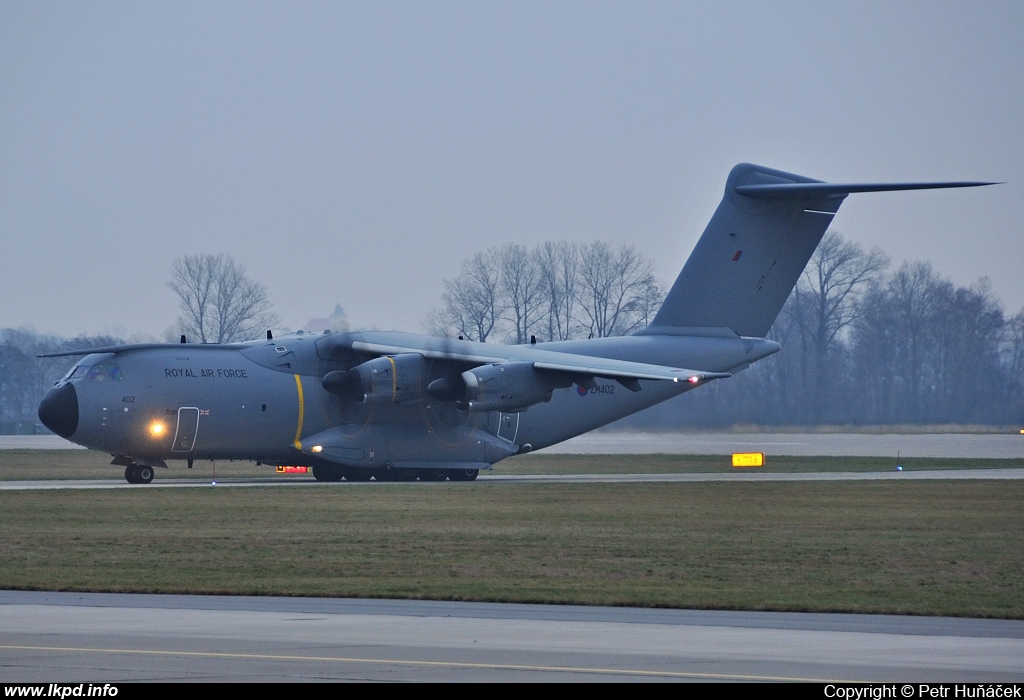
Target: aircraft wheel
{"type": "Point", "coordinates": [463, 474]}
{"type": "Point", "coordinates": [144, 474]}
{"type": "Point", "coordinates": [131, 474]}
{"type": "Point", "coordinates": [321, 472]}
{"type": "Point", "coordinates": [433, 474]}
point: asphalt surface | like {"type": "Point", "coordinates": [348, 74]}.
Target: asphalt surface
{"type": "Point", "coordinates": [966, 445]}
{"type": "Point", "coordinates": [92, 637]}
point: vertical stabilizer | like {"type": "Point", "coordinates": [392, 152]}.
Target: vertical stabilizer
{"type": "Point", "coordinates": [748, 259]}
{"type": "Point", "coordinates": [754, 250]}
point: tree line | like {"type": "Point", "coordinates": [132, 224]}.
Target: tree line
{"type": "Point", "coordinates": [554, 291]}
{"type": "Point", "coordinates": [25, 378]}
{"type": "Point", "coordinates": [866, 345]}
{"type": "Point", "coordinates": [862, 344]}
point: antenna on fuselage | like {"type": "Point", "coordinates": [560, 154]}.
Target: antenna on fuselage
{"type": "Point", "coordinates": [270, 335]}
{"type": "Point", "coordinates": [183, 341]}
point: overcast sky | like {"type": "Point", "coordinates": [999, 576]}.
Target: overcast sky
{"type": "Point", "coordinates": [356, 153]}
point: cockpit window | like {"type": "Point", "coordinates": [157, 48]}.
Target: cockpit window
{"type": "Point", "coordinates": [101, 373]}
{"type": "Point", "coordinates": [76, 372]}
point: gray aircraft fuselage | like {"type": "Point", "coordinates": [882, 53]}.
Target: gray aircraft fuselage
{"type": "Point", "coordinates": [356, 405]}
{"type": "Point", "coordinates": [261, 400]}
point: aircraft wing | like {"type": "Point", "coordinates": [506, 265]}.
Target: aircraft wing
{"type": "Point", "coordinates": [545, 360]}
{"type": "Point", "coordinates": [117, 348]}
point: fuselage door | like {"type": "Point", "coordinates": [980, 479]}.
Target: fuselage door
{"type": "Point", "coordinates": [188, 428]}
{"type": "Point", "coordinates": [508, 426]}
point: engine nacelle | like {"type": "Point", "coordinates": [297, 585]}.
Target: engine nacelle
{"type": "Point", "coordinates": [392, 378]}
{"type": "Point", "coordinates": [508, 386]}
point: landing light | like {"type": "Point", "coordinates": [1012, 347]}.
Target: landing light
{"type": "Point", "coordinates": [318, 448]}
{"type": "Point", "coordinates": [694, 379]}
{"type": "Point", "coordinates": [156, 429]}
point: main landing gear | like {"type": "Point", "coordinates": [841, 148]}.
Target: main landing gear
{"type": "Point", "coordinates": [138, 474]}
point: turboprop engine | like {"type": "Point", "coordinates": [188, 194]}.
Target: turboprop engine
{"type": "Point", "coordinates": [504, 386]}
{"type": "Point", "coordinates": [394, 378]}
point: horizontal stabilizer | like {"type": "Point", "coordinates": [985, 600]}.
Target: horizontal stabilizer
{"type": "Point", "coordinates": [826, 189]}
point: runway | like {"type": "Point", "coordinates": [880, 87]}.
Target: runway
{"type": "Point", "coordinates": [93, 637]}
{"type": "Point", "coordinates": [966, 445]}
{"type": "Point", "coordinates": [739, 476]}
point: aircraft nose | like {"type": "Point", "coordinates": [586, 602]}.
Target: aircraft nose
{"type": "Point", "coordinates": [59, 410]}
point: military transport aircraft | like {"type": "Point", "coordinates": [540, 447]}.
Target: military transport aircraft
{"type": "Point", "coordinates": [398, 406]}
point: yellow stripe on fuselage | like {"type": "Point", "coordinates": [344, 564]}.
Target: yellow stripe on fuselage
{"type": "Point", "coordinates": [302, 413]}
{"type": "Point", "coordinates": [394, 377]}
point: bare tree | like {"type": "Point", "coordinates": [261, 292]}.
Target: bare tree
{"type": "Point", "coordinates": [829, 289]}
{"type": "Point", "coordinates": [611, 287]}
{"type": "Point", "coordinates": [471, 300]}
{"type": "Point", "coordinates": [515, 292]}
{"type": "Point", "coordinates": [645, 304]}
{"type": "Point", "coordinates": [915, 291]}
{"type": "Point", "coordinates": [1014, 363]}
{"type": "Point", "coordinates": [219, 303]}
{"type": "Point", "coordinates": [876, 351]}
{"type": "Point", "coordinates": [968, 330]}
{"type": "Point", "coordinates": [558, 264]}
{"type": "Point", "coordinates": [521, 289]}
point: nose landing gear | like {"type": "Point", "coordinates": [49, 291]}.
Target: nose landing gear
{"type": "Point", "coordinates": [138, 474]}
{"type": "Point", "coordinates": [138, 470]}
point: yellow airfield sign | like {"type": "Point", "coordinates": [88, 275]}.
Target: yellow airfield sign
{"type": "Point", "coordinates": [748, 459]}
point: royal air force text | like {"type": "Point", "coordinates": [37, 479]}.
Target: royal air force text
{"type": "Point", "coordinates": [185, 373]}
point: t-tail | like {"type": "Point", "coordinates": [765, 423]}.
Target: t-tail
{"type": "Point", "coordinates": [754, 250]}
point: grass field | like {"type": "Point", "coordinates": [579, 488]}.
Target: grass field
{"type": "Point", "coordinates": [922, 547]}
{"type": "Point", "coordinates": [85, 464]}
